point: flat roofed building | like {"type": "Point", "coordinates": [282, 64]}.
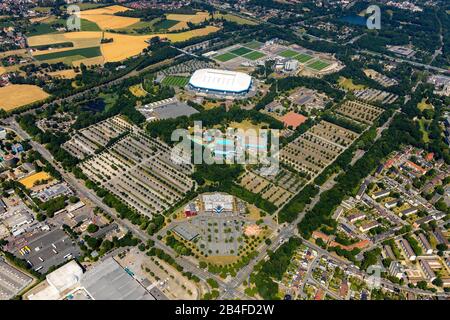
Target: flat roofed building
{"type": "Point", "coordinates": [425, 244]}
{"type": "Point", "coordinates": [380, 194]}
{"type": "Point", "coordinates": [407, 249]}
{"type": "Point", "coordinates": [109, 281]}
{"type": "Point", "coordinates": [220, 81]}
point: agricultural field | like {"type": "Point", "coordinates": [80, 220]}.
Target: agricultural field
{"type": "Point", "coordinates": [236, 19]}
{"type": "Point", "coordinates": [104, 17]}
{"type": "Point", "coordinates": [175, 81]}
{"type": "Point", "coordinates": [318, 65]}
{"type": "Point", "coordinates": [17, 95]}
{"type": "Point", "coordinates": [2, 70]}
{"type": "Point", "coordinates": [123, 46]}
{"type": "Point", "coordinates": [83, 52]}
{"type": "Point", "coordinates": [198, 17]}
{"type": "Point", "coordinates": [138, 91]}
{"type": "Point", "coordinates": [359, 111]}
{"type": "Point", "coordinates": [29, 181]}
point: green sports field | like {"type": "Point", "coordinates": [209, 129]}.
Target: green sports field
{"type": "Point", "coordinates": [175, 81]}
{"type": "Point", "coordinates": [225, 57]}
{"type": "Point", "coordinates": [318, 65]}
{"type": "Point", "coordinates": [288, 53]}
{"type": "Point", "coordinates": [302, 58]}
{"type": "Point", "coordinates": [254, 55]}
{"type": "Point", "coordinates": [253, 44]}
{"type": "Point", "coordinates": [240, 51]}
{"type": "Point", "coordinates": [84, 52]}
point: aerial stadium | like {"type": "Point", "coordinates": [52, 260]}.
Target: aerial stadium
{"type": "Point", "coordinates": [220, 83]}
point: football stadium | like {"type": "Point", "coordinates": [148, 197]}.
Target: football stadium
{"type": "Point", "coordinates": [220, 82]}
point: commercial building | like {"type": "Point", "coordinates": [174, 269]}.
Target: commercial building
{"type": "Point", "coordinates": [220, 82]}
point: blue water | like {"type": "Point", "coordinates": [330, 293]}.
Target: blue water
{"type": "Point", "coordinates": [225, 142]}
{"type": "Point", "coordinates": [356, 20]}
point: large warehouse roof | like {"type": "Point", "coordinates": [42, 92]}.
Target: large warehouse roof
{"type": "Point", "coordinates": [221, 80]}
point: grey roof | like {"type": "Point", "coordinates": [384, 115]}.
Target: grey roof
{"type": "Point", "coordinates": [186, 231]}
{"type": "Point", "coordinates": [174, 110]}
{"type": "Point", "coordinates": [109, 281]}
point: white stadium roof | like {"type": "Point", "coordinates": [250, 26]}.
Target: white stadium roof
{"type": "Point", "coordinates": [221, 80]}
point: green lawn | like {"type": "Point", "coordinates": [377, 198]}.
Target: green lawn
{"type": "Point", "coordinates": [302, 58]}
{"type": "Point", "coordinates": [225, 57]}
{"type": "Point", "coordinates": [87, 25]}
{"type": "Point", "coordinates": [255, 55]}
{"type": "Point", "coordinates": [175, 81]}
{"type": "Point", "coordinates": [288, 53]}
{"type": "Point", "coordinates": [241, 51]}
{"type": "Point", "coordinates": [53, 45]}
{"type": "Point", "coordinates": [165, 24]}
{"type": "Point", "coordinates": [84, 52]}
{"type": "Point", "coordinates": [253, 44]}
{"type": "Point", "coordinates": [318, 65]}
{"type": "Point", "coordinates": [423, 129]}
{"type": "Point", "coordinates": [39, 29]}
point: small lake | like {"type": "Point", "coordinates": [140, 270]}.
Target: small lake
{"type": "Point", "coordinates": [356, 20]}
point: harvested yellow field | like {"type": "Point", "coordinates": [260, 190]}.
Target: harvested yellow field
{"type": "Point", "coordinates": [138, 91]}
{"type": "Point", "coordinates": [83, 39]}
{"type": "Point", "coordinates": [64, 74]}
{"type": "Point", "coordinates": [194, 18]}
{"type": "Point", "coordinates": [29, 181]}
{"type": "Point", "coordinates": [17, 95]}
{"type": "Point", "coordinates": [106, 10]}
{"type": "Point", "coordinates": [105, 18]}
{"type": "Point", "coordinates": [125, 46]}
{"type": "Point", "coordinates": [179, 26]}
{"type": "Point", "coordinates": [108, 22]}
{"type": "Point", "coordinates": [2, 70]}
{"type": "Point", "coordinates": [89, 61]}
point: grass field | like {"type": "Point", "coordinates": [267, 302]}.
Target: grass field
{"type": "Point", "coordinates": [423, 129]}
{"type": "Point", "coordinates": [288, 53]}
{"type": "Point", "coordinates": [302, 58]}
{"type": "Point", "coordinates": [240, 51]}
{"type": "Point", "coordinates": [318, 65]}
{"type": "Point", "coordinates": [254, 55]}
{"type": "Point", "coordinates": [17, 95]}
{"type": "Point", "coordinates": [225, 57]}
{"type": "Point", "coordinates": [165, 24]}
{"type": "Point", "coordinates": [29, 181]}
{"type": "Point", "coordinates": [423, 105]}
{"type": "Point", "coordinates": [253, 44]}
{"type": "Point", "coordinates": [175, 81]}
{"type": "Point", "coordinates": [138, 91]}
{"type": "Point", "coordinates": [236, 19]}
{"type": "Point", "coordinates": [64, 74]}
{"type": "Point", "coordinates": [349, 85]}
{"type": "Point", "coordinates": [83, 52]}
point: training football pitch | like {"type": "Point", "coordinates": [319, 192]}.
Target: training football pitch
{"type": "Point", "coordinates": [302, 58]}
{"type": "Point", "coordinates": [175, 81]}
{"type": "Point", "coordinates": [225, 57]}
{"type": "Point", "coordinates": [240, 51]}
{"type": "Point", "coordinates": [318, 65]}
{"type": "Point", "coordinates": [254, 55]}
